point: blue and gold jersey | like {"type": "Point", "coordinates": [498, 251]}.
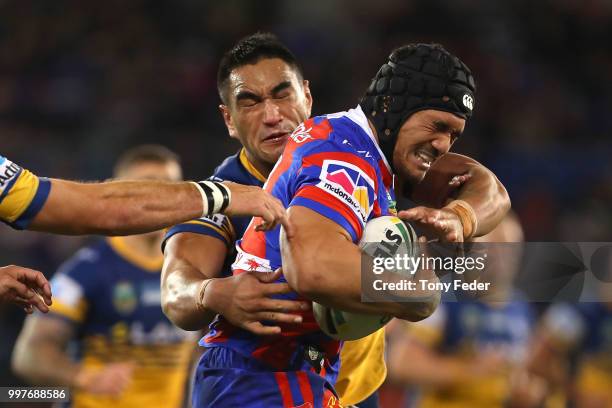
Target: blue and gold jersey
{"type": "Point", "coordinates": [585, 331]}
{"type": "Point", "coordinates": [22, 194]}
{"type": "Point", "coordinates": [466, 329]}
{"type": "Point", "coordinates": [112, 295]}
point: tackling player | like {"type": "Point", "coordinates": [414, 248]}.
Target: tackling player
{"type": "Point", "coordinates": [109, 208]}
{"type": "Point", "coordinates": [256, 114]}
{"type": "Point", "coordinates": [107, 302]}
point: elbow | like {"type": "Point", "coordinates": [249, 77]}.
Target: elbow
{"type": "Point", "coordinates": [504, 202]}
{"type": "Point", "coordinates": [174, 311]}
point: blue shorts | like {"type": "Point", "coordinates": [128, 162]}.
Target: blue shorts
{"type": "Point", "coordinates": [225, 378]}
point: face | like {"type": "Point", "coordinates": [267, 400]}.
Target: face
{"type": "Point", "coordinates": [265, 103]}
{"type": "Point", "coordinates": [152, 170]}
{"type": "Point", "coordinates": [422, 139]}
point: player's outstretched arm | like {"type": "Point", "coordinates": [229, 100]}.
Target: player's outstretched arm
{"type": "Point", "coordinates": [133, 207]}
{"type": "Point", "coordinates": [24, 287]}
{"type": "Point", "coordinates": [40, 357]}
{"type": "Point", "coordinates": [459, 177]}
{"type": "Point", "coordinates": [321, 263]}
{"type": "Point", "coordinates": [193, 293]}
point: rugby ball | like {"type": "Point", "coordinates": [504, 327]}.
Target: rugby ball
{"type": "Point", "coordinates": [382, 236]}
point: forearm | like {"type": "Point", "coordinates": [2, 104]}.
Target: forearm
{"type": "Point", "coordinates": [487, 196]}
{"type": "Point", "coordinates": [117, 207]}
{"type": "Point", "coordinates": [180, 296]}
{"type": "Point", "coordinates": [321, 275]}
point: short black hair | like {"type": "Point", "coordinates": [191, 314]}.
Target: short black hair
{"type": "Point", "coordinates": [145, 154]}
{"type": "Point", "coordinates": [250, 50]}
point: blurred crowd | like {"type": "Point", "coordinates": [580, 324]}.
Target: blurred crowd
{"type": "Point", "coordinates": [81, 81]}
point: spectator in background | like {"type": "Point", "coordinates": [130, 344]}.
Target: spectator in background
{"type": "Point", "coordinates": [107, 300]}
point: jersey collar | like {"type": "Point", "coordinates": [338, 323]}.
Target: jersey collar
{"type": "Point", "coordinates": [250, 168]}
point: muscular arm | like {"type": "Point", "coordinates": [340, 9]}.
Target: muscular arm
{"type": "Point", "coordinates": [134, 207]}
{"type": "Point", "coordinates": [39, 355]}
{"type": "Point", "coordinates": [482, 190]}
{"type": "Point", "coordinates": [189, 260]}
{"type": "Point", "coordinates": [321, 263]}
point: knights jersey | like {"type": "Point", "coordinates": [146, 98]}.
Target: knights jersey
{"type": "Point", "coordinates": [333, 166]}
{"type": "Point", "coordinates": [111, 295]}
{"type": "Point", "coordinates": [22, 194]}
{"type": "Point", "coordinates": [363, 369]}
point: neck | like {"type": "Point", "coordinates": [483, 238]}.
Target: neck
{"type": "Point", "coordinates": [373, 129]}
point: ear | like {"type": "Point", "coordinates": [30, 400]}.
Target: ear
{"type": "Point", "coordinates": [227, 118]}
{"type": "Point", "coordinates": [308, 96]}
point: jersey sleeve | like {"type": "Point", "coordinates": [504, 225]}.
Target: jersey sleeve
{"type": "Point", "coordinates": [22, 194]}
{"type": "Point", "coordinates": [338, 184]}
{"type": "Point", "coordinates": [73, 285]}
{"type": "Point", "coordinates": [217, 226]}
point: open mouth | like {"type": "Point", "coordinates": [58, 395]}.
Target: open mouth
{"type": "Point", "coordinates": [424, 158]}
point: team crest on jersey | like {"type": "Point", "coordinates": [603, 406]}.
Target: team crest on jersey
{"type": "Point", "coordinates": [301, 134]}
{"type": "Point", "coordinates": [8, 171]}
{"type": "Point", "coordinates": [124, 297]}
{"type": "Point", "coordinates": [350, 184]}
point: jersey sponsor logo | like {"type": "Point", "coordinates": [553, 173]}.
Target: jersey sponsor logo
{"type": "Point", "coordinates": [216, 219]}
{"type": "Point", "coordinates": [124, 297]}
{"type": "Point", "coordinates": [301, 134]}
{"type": "Point", "coordinates": [8, 170]}
{"type": "Point", "coordinates": [350, 184]}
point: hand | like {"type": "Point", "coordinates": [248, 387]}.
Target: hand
{"type": "Point", "coordinates": [254, 201]}
{"type": "Point", "coordinates": [25, 287]}
{"type": "Point", "coordinates": [112, 379]}
{"type": "Point", "coordinates": [244, 300]}
{"type": "Point", "coordinates": [439, 223]}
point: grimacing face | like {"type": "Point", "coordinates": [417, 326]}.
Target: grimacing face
{"type": "Point", "coordinates": [266, 102]}
{"type": "Point", "coordinates": [422, 139]}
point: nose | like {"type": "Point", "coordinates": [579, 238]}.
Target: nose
{"type": "Point", "coordinates": [442, 143]}
{"type": "Point", "coordinates": [272, 114]}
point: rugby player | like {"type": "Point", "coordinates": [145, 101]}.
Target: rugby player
{"type": "Point", "coordinates": [109, 208]}
{"type": "Point", "coordinates": [263, 96]}
{"type": "Point", "coordinates": [107, 303]}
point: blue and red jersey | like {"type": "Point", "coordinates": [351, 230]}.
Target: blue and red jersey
{"type": "Point", "coordinates": [333, 166]}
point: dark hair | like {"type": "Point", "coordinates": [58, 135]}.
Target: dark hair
{"type": "Point", "coordinates": [250, 50]}
{"type": "Point", "coordinates": [144, 154]}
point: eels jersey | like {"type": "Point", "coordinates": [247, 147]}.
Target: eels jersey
{"type": "Point", "coordinates": [112, 296]}
{"type": "Point", "coordinates": [585, 331]}
{"type": "Point", "coordinates": [22, 194]}
{"type": "Point", "coordinates": [363, 369]}
{"type": "Point", "coordinates": [466, 329]}
{"type": "Point", "coordinates": [333, 166]}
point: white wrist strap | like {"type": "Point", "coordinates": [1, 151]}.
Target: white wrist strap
{"type": "Point", "coordinates": [215, 197]}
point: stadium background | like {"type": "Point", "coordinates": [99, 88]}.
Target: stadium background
{"type": "Point", "coordinates": [82, 81]}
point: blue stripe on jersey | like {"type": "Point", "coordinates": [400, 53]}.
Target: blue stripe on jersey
{"type": "Point", "coordinates": [328, 213]}
{"type": "Point", "coordinates": [196, 229]}
{"type": "Point", "coordinates": [39, 200]}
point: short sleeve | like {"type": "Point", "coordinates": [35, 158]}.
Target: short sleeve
{"type": "Point", "coordinates": [73, 285]}
{"type": "Point", "coordinates": [22, 194]}
{"type": "Point", "coordinates": [217, 226]}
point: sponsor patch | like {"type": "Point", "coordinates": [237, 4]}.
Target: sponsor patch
{"type": "Point", "coordinates": [8, 171]}
{"type": "Point", "coordinates": [350, 184]}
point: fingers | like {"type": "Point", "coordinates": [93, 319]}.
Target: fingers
{"type": "Point", "coordinates": [278, 317]}
{"type": "Point", "coordinates": [261, 330]}
{"type": "Point", "coordinates": [459, 179]}
{"type": "Point", "coordinates": [269, 277]}
{"type": "Point", "coordinates": [281, 305]}
{"type": "Point", "coordinates": [34, 280]}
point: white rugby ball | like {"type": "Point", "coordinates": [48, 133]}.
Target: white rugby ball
{"type": "Point", "coordinates": [382, 236]}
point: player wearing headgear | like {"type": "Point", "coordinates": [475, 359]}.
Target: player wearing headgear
{"type": "Point", "coordinates": [109, 208]}
{"type": "Point", "coordinates": [334, 178]}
